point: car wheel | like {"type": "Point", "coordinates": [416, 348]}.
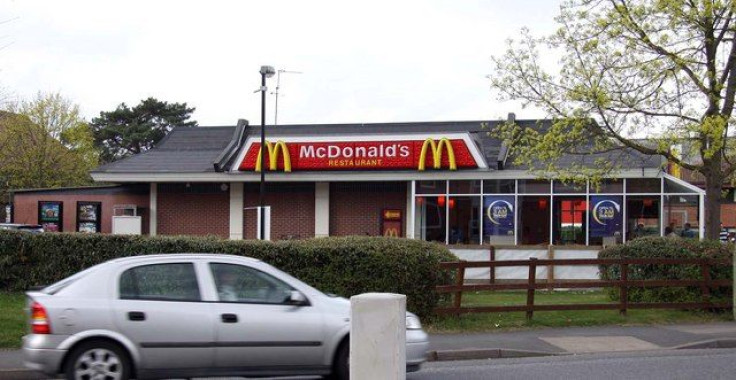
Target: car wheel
{"type": "Point", "coordinates": [98, 361]}
{"type": "Point", "coordinates": [341, 367]}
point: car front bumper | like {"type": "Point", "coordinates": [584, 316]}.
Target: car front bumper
{"type": "Point", "coordinates": [417, 345]}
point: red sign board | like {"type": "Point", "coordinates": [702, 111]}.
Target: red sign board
{"type": "Point", "coordinates": [362, 155]}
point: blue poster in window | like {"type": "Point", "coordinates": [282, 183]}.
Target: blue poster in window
{"type": "Point", "coordinates": [498, 215]}
{"type": "Point", "coordinates": [606, 215]}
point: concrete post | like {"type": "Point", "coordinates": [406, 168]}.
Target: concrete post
{"type": "Point", "coordinates": [236, 210]}
{"type": "Point", "coordinates": [153, 210]}
{"type": "Point", "coordinates": [378, 336]}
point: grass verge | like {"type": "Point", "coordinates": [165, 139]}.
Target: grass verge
{"type": "Point", "coordinates": [489, 322]}
{"type": "Point", "coordinates": [12, 319]}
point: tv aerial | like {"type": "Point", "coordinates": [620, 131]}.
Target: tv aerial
{"type": "Point", "coordinates": [278, 86]}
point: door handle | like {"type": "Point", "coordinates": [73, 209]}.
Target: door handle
{"type": "Point", "coordinates": [136, 316]}
{"type": "Point", "coordinates": [229, 318]}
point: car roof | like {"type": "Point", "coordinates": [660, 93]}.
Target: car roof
{"type": "Point", "coordinates": [181, 256]}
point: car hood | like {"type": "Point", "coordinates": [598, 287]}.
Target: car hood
{"type": "Point", "coordinates": [341, 305]}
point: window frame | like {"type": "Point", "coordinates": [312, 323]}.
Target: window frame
{"type": "Point", "coordinates": [132, 269]}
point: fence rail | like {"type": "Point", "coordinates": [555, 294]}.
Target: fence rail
{"type": "Point", "coordinates": [623, 284]}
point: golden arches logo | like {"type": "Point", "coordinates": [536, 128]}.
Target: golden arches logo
{"type": "Point", "coordinates": [437, 150]}
{"type": "Point", "coordinates": [273, 155]}
{"type": "Point", "coordinates": [391, 232]}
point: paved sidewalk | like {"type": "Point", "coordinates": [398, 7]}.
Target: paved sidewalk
{"type": "Point", "coordinates": [536, 342]}
{"type": "Point", "coordinates": [578, 340]}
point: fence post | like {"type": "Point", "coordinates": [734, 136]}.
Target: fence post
{"type": "Point", "coordinates": [705, 288]}
{"type": "Point", "coordinates": [550, 268]}
{"type": "Point", "coordinates": [531, 288]}
{"type": "Point", "coordinates": [459, 281]}
{"type": "Point", "coordinates": [493, 266]}
{"type": "Point", "coordinates": [624, 289]}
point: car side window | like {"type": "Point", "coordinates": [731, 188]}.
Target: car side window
{"type": "Point", "coordinates": [165, 282]}
{"type": "Point", "coordinates": [239, 283]}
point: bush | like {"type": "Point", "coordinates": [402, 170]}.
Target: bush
{"type": "Point", "coordinates": [341, 265]}
{"type": "Point", "coordinates": [659, 247]}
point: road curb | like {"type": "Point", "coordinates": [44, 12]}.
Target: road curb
{"type": "Point", "coordinates": [711, 343]}
{"type": "Point", "coordinates": [487, 353]}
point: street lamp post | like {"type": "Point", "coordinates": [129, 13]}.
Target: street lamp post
{"type": "Point", "coordinates": [266, 72]}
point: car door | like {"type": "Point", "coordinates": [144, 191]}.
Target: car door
{"type": "Point", "coordinates": [159, 308]}
{"type": "Point", "coordinates": [256, 325]}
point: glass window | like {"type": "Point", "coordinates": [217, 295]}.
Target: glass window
{"type": "Point", "coordinates": [430, 218]}
{"type": "Point", "coordinates": [568, 188]}
{"type": "Point", "coordinates": [499, 186]}
{"type": "Point", "coordinates": [499, 213]}
{"type": "Point", "coordinates": [681, 215]}
{"type": "Point", "coordinates": [569, 220]}
{"type": "Point", "coordinates": [534, 220]}
{"type": "Point", "coordinates": [239, 283]}
{"type": "Point", "coordinates": [533, 186]}
{"type": "Point", "coordinates": [166, 282]}
{"type": "Point", "coordinates": [431, 187]}
{"type": "Point", "coordinates": [642, 216]}
{"type": "Point", "coordinates": [464, 187]}
{"type": "Point", "coordinates": [674, 187]}
{"type": "Point", "coordinates": [606, 220]}
{"type": "Point", "coordinates": [643, 185]}
{"type": "Point", "coordinates": [464, 220]}
{"type": "Point", "coordinates": [608, 186]}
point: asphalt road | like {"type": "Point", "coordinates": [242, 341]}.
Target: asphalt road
{"type": "Point", "coordinates": [697, 364]}
{"type": "Point", "coordinates": [652, 365]}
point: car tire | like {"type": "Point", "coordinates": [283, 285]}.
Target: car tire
{"type": "Point", "coordinates": [341, 366]}
{"type": "Point", "coordinates": [91, 359]}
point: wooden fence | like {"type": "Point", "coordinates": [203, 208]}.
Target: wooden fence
{"type": "Point", "coordinates": [706, 283]}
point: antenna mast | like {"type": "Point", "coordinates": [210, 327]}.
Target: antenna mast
{"type": "Point", "coordinates": [278, 86]}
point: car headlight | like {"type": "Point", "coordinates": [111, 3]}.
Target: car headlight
{"type": "Point", "coordinates": [412, 323]}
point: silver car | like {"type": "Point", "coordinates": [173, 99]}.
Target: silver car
{"type": "Point", "coordinates": [192, 315]}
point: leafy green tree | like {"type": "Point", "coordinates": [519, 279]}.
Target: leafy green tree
{"type": "Point", "coordinates": [651, 74]}
{"type": "Point", "coordinates": [32, 158]}
{"type": "Point", "coordinates": [61, 120]}
{"type": "Point", "coordinates": [127, 131]}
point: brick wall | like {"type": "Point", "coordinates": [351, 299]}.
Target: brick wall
{"type": "Point", "coordinates": [197, 209]}
{"type": "Point", "coordinates": [292, 210]}
{"type": "Point", "coordinates": [356, 207]}
{"type": "Point", "coordinates": [26, 206]}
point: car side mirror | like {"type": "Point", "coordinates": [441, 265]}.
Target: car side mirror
{"type": "Point", "coordinates": [297, 298]}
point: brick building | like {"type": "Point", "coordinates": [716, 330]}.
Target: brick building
{"type": "Point", "coordinates": [441, 181]}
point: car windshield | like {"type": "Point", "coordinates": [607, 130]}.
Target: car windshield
{"type": "Point", "coordinates": [291, 278]}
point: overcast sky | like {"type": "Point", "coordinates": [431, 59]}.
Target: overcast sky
{"type": "Point", "coordinates": [361, 61]}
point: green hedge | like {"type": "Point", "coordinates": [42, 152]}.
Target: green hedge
{"type": "Point", "coordinates": [345, 266]}
{"type": "Point", "coordinates": [661, 247]}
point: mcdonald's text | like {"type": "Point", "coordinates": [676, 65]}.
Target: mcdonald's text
{"type": "Point", "coordinates": [439, 154]}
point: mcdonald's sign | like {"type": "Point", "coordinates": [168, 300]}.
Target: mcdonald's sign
{"type": "Point", "coordinates": [273, 155]}
{"type": "Point", "coordinates": [437, 150]}
{"type": "Point", "coordinates": [381, 153]}
{"type": "Point", "coordinates": [391, 232]}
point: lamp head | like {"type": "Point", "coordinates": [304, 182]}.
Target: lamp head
{"type": "Point", "coordinates": [268, 71]}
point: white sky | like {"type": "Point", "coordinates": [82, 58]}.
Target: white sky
{"type": "Point", "coordinates": [362, 61]}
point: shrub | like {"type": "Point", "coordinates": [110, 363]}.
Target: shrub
{"type": "Point", "coordinates": [659, 247]}
{"type": "Point", "coordinates": [341, 265]}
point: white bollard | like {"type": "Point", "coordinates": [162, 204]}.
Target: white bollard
{"type": "Point", "coordinates": [378, 336]}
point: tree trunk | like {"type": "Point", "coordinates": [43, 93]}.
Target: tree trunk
{"type": "Point", "coordinates": [713, 183]}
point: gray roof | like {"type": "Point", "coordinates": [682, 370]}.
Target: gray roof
{"type": "Point", "coordinates": [183, 150]}
{"type": "Point", "coordinates": [201, 149]}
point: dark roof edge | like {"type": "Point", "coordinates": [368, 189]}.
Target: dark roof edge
{"type": "Point", "coordinates": [232, 147]}
{"type": "Point", "coordinates": [105, 187]}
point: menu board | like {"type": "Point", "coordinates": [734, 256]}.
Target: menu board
{"type": "Point", "coordinates": [88, 217]}
{"type": "Point", "coordinates": [51, 215]}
